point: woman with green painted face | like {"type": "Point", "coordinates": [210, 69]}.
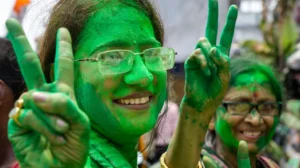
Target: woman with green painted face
{"type": "Point", "coordinates": [249, 112]}
{"type": "Point", "coordinates": [102, 82]}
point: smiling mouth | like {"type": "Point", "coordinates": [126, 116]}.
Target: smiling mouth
{"type": "Point", "coordinates": [136, 101]}
{"type": "Point", "coordinates": [251, 135]}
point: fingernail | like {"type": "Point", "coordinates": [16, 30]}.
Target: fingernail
{"type": "Point", "coordinates": [61, 123]}
{"type": "Point", "coordinates": [39, 97]}
{"type": "Point", "coordinates": [61, 139]}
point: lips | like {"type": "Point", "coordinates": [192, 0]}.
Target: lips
{"type": "Point", "coordinates": [251, 135]}
{"type": "Point", "coordinates": [135, 101]}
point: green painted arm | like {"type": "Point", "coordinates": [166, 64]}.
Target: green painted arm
{"type": "Point", "coordinates": [206, 81]}
{"type": "Point", "coordinates": [54, 132]}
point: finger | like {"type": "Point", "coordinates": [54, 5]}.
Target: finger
{"type": "Point", "coordinates": [228, 30]}
{"type": "Point", "coordinates": [28, 60]}
{"type": "Point", "coordinates": [205, 47]}
{"type": "Point", "coordinates": [243, 155]}
{"type": "Point", "coordinates": [61, 105]}
{"type": "Point", "coordinates": [30, 121]}
{"type": "Point", "coordinates": [212, 22]}
{"type": "Point", "coordinates": [208, 163]}
{"type": "Point", "coordinates": [221, 60]}
{"type": "Point", "coordinates": [197, 60]}
{"type": "Point", "coordinates": [64, 66]}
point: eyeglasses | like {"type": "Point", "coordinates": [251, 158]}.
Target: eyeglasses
{"type": "Point", "coordinates": [244, 108]}
{"type": "Point", "coordinates": [121, 61]}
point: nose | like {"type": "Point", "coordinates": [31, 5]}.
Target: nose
{"type": "Point", "coordinates": [139, 74]}
{"type": "Point", "coordinates": [253, 118]}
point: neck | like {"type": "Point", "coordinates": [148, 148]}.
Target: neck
{"type": "Point", "coordinates": [230, 155]}
{"type": "Point", "coordinates": [122, 154]}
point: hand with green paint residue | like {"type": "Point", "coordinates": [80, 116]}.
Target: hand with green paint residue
{"type": "Point", "coordinates": [243, 160]}
{"type": "Point", "coordinates": [54, 132]}
{"type": "Point", "coordinates": [207, 69]}
{"type": "Point", "coordinates": [206, 82]}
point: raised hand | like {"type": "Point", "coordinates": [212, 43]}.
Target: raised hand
{"type": "Point", "coordinates": [243, 159]}
{"type": "Point", "coordinates": [206, 82]}
{"type": "Point", "coordinates": [207, 69]}
{"type": "Point", "coordinates": [51, 130]}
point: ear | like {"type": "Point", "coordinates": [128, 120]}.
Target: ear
{"type": "Point", "coordinates": [211, 125]}
{"type": "Point", "coordinates": [2, 91]}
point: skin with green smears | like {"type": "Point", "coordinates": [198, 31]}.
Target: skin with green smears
{"type": "Point", "coordinates": [242, 158]}
{"type": "Point", "coordinates": [96, 93]}
{"type": "Point", "coordinates": [206, 82]}
{"type": "Point", "coordinates": [52, 124]}
{"type": "Point", "coordinates": [251, 87]}
{"type": "Point", "coordinates": [52, 108]}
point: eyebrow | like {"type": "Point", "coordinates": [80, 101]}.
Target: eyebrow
{"type": "Point", "coordinates": [119, 43]}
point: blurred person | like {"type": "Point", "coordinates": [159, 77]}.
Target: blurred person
{"type": "Point", "coordinates": [249, 112]}
{"type": "Point", "coordinates": [163, 133]}
{"type": "Point", "coordinates": [11, 87]}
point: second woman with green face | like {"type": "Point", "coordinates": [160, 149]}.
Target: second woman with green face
{"type": "Point", "coordinates": [250, 112]}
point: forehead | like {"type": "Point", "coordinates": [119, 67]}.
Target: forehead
{"type": "Point", "coordinates": [250, 78]}
{"type": "Point", "coordinates": [251, 84]}
{"type": "Point", "coordinates": [116, 24]}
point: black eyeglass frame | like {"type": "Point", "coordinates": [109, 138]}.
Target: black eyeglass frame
{"type": "Point", "coordinates": [253, 106]}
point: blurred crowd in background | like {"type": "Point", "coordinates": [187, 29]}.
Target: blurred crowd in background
{"type": "Point", "coordinates": [268, 29]}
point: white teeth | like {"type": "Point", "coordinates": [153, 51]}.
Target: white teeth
{"type": "Point", "coordinates": [141, 100]}
{"type": "Point", "coordinates": [132, 101]}
{"type": "Point", "coordinates": [252, 134]}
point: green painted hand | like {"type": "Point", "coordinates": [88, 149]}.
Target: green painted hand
{"type": "Point", "coordinates": [54, 132]}
{"type": "Point", "coordinates": [207, 69]}
{"type": "Point", "coordinates": [243, 159]}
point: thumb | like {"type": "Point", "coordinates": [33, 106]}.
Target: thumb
{"type": "Point", "coordinates": [243, 155]}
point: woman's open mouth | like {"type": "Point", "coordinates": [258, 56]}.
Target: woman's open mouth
{"type": "Point", "coordinates": [251, 135]}
{"type": "Point", "coordinates": [136, 101]}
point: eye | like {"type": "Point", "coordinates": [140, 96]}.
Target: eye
{"type": "Point", "coordinates": [267, 107]}
{"type": "Point", "coordinates": [238, 107]}
{"type": "Point", "coordinates": [112, 58]}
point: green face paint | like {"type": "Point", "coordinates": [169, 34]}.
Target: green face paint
{"type": "Point", "coordinates": [118, 26]}
{"type": "Point", "coordinates": [251, 87]}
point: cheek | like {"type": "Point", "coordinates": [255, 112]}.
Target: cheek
{"type": "Point", "coordinates": [160, 79]}
{"type": "Point", "coordinates": [269, 122]}
{"type": "Point", "coordinates": [89, 73]}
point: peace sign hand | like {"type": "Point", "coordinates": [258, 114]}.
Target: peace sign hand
{"type": "Point", "coordinates": [52, 130]}
{"type": "Point", "coordinates": [207, 69]}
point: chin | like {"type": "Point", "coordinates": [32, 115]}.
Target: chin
{"type": "Point", "coordinates": [252, 147]}
{"type": "Point", "coordinates": [139, 124]}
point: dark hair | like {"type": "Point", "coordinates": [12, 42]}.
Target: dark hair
{"type": "Point", "coordinates": [246, 64]}
{"type": "Point", "coordinates": [72, 14]}
{"type": "Point", "coordinates": [9, 69]}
